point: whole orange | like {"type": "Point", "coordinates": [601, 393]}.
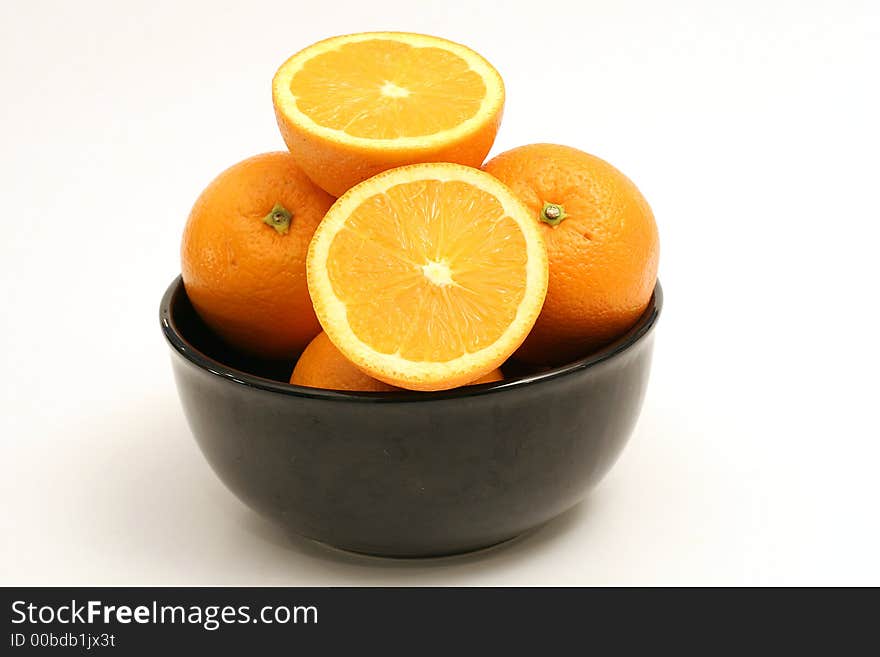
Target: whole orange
{"type": "Point", "coordinates": [244, 251]}
{"type": "Point", "coordinates": [602, 245]}
{"type": "Point", "coordinates": [322, 365]}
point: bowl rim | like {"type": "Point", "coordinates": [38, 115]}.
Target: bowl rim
{"type": "Point", "coordinates": [179, 344]}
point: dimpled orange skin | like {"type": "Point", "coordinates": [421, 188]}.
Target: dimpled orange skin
{"type": "Point", "coordinates": [322, 365]}
{"type": "Point", "coordinates": [603, 254]}
{"type": "Point", "coordinates": [245, 279]}
{"type": "Point", "coordinates": [337, 166]}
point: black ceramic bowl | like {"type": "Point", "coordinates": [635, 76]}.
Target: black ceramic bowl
{"type": "Point", "coordinates": [407, 474]}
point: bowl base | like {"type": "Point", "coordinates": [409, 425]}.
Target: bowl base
{"type": "Point", "coordinates": [451, 554]}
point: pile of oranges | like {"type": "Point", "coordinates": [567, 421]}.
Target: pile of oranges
{"type": "Point", "coordinates": [379, 251]}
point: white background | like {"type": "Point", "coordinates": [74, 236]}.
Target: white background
{"type": "Point", "coordinates": [751, 128]}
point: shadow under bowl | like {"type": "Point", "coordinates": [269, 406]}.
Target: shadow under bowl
{"type": "Point", "coordinates": [408, 474]}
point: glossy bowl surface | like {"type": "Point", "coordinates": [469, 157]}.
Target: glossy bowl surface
{"type": "Point", "coordinates": [408, 474]}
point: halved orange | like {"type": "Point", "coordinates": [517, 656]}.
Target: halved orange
{"type": "Point", "coordinates": [427, 276]}
{"type": "Point", "coordinates": [352, 106]}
